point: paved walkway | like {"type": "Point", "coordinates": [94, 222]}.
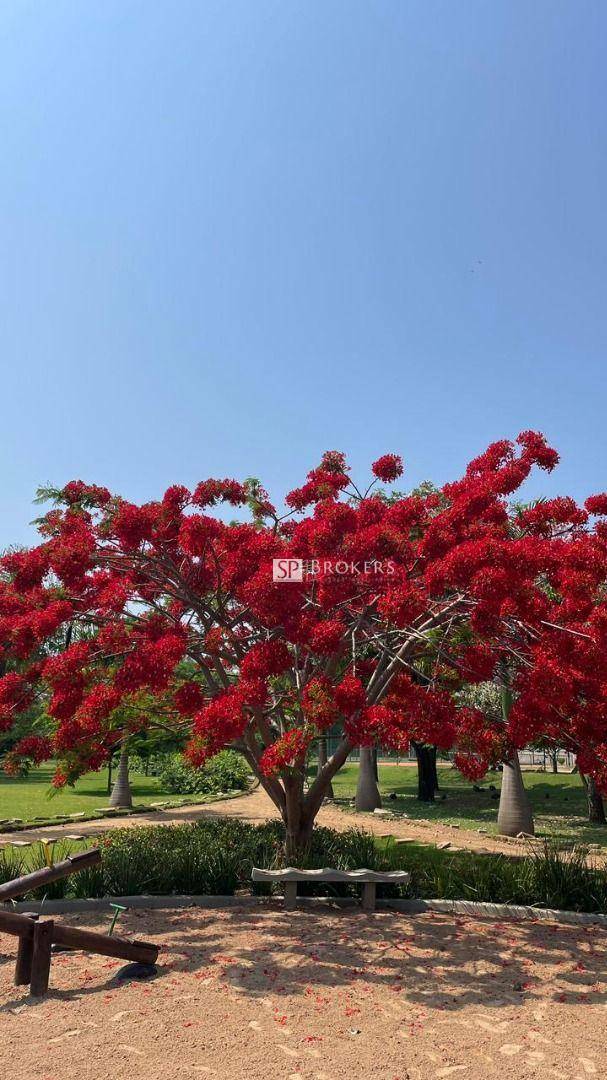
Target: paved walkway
{"type": "Point", "coordinates": [257, 807]}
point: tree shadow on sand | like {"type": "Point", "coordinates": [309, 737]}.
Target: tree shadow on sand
{"type": "Point", "coordinates": [433, 960]}
{"type": "Point", "coordinates": [441, 961]}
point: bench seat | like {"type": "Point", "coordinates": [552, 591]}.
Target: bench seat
{"type": "Point", "coordinates": [369, 879]}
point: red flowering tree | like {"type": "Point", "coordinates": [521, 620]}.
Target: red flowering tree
{"type": "Point", "coordinates": [389, 607]}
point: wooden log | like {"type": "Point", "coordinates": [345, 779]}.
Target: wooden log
{"type": "Point", "coordinates": [23, 966]}
{"type": "Point", "coordinates": [72, 937]}
{"type": "Point", "coordinates": [41, 957]}
{"type": "Point", "coordinates": [19, 925]}
{"type": "Point", "coordinates": [142, 952]}
{"type": "Point", "coordinates": [47, 874]}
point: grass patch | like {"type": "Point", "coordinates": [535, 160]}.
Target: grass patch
{"type": "Point", "coordinates": [33, 800]}
{"type": "Point", "coordinates": [558, 800]}
{"type": "Point", "coordinates": [31, 796]}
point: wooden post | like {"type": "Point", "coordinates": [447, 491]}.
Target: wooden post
{"type": "Point", "coordinates": [23, 967]}
{"type": "Point", "coordinates": [41, 957]}
{"type": "Point", "coordinates": [290, 895]}
{"type": "Point", "coordinates": [369, 896]}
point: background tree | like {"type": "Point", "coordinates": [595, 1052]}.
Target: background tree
{"type": "Point", "coordinates": [494, 701]}
{"type": "Point", "coordinates": [596, 807]}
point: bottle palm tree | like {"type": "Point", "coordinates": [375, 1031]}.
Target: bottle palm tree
{"type": "Point", "coordinates": [514, 815]}
{"type": "Point", "coordinates": [367, 791]}
{"type": "Point", "coordinates": [121, 794]}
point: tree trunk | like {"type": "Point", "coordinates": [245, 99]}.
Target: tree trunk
{"type": "Point", "coordinates": [375, 768]}
{"type": "Point", "coordinates": [434, 770]}
{"type": "Point", "coordinates": [596, 807]}
{"type": "Point", "coordinates": [322, 761]}
{"type": "Point", "coordinates": [298, 823]}
{"type": "Point", "coordinates": [297, 843]}
{"type": "Point", "coordinates": [367, 791]}
{"type": "Point", "coordinates": [515, 814]}
{"type": "Point", "coordinates": [554, 759]}
{"type": "Point", "coordinates": [121, 795]}
{"type": "Point", "coordinates": [427, 783]}
{"type": "Point", "coordinates": [110, 766]}
{"type": "Point", "coordinates": [298, 808]}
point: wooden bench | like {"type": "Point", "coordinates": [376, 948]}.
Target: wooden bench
{"type": "Point", "coordinates": [369, 879]}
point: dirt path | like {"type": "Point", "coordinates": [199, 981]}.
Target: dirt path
{"type": "Point", "coordinates": [257, 808]}
{"type": "Point", "coordinates": [260, 994]}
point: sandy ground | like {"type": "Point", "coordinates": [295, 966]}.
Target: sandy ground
{"type": "Point", "coordinates": [246, 994]}
{"type": "Point", "coordinates": [257, 807]}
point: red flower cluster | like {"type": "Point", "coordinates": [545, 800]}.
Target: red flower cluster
{"type": "Point", "coordinates": [210, 492]}
{"type": "Point", "coordinates": [388, 468]}
{"type": "Point", "coordinates": [288, 752]}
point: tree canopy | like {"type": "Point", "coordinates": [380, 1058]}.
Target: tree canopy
{"type": "Point", "coordinates": [395, 602]}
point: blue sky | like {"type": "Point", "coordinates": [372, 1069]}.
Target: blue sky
{"type": "Point", "coordinates": [237, 233]}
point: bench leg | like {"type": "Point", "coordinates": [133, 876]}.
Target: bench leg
{"type": "Point", "coordinates": [290, 895]}
{"type": "Point", "coordinates": [23, 967]}
{"type": "Point", "coordinates": [369, 896]}
{"type": "Point", "coordinates": [41, 957]}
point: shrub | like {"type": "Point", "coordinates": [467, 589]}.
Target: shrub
{"type": "Point", "coordinates": [227, 771]}
{"type": "Point", "coordinates": [216, 856]}
{"type": "Point", "coordinates": [205, 857]}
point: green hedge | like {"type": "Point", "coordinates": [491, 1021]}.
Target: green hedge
{"type": "Point", "coordinates": [215, 857]}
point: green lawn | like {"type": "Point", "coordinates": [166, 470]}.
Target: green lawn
{"type": "Point", "coordinates": [558, 801]}
{"type": "Point", "coordinates": [32, 796]}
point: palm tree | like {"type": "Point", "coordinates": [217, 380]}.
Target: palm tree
{"type": "Point", "coordinates": [515, 814]}
{"type": "Point", "coordinates": [121, 795]}
{"type": "Point", "coordinates": [367, 791]}
{"type": "Point", "coordinates": [495, 701]}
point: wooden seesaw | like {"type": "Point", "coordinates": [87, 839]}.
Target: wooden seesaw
{"type": "Point", "coordinates": [36, 938]}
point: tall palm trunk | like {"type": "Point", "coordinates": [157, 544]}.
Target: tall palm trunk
{"type": "Point", "coordinates": [121, 795]}
{"type": "Point", "coordinates": [367, 791]}
{"type": "Point", "coordinates": [515, 814]}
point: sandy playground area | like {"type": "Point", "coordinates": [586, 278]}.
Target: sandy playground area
{"type": "Point", "coordinates": [252, 993]}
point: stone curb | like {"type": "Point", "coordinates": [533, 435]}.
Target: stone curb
{"type": "Point", "coordinates": [413, 907]}
{"type": "Point", "coordinates": [152, 903]}
{"type": "Point", "coordinates": [498, 911]}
